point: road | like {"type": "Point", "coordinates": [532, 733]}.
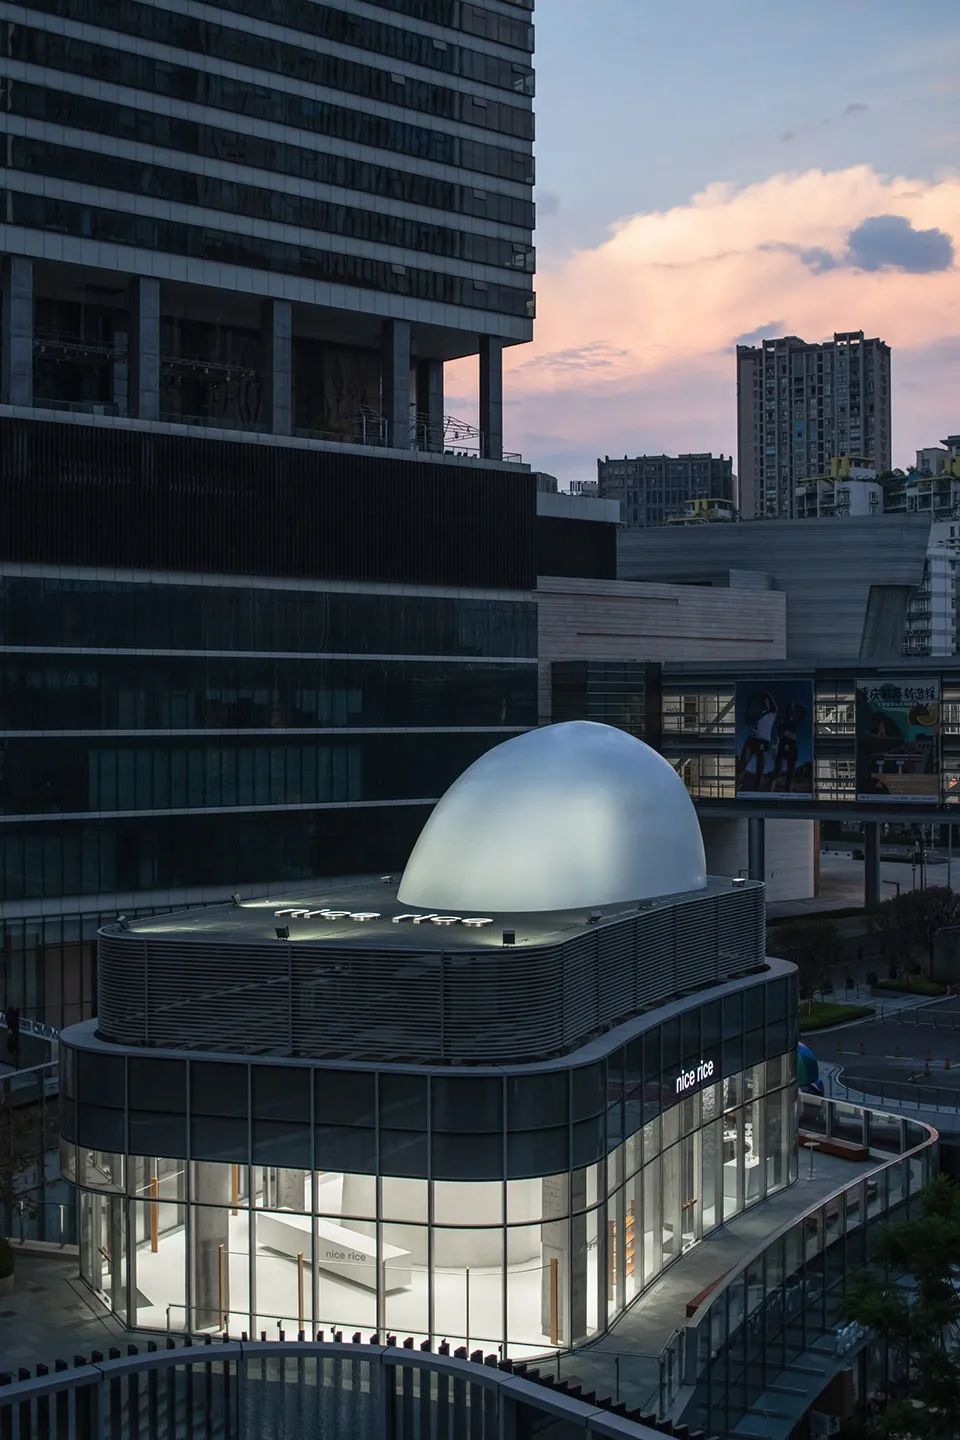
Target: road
{"type": "Point", "coordinates": [906, 1058]}
{"type": "Point", "coordinates": [841, 883]}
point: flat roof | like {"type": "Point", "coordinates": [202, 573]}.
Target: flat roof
{"type": "Point", "coordinates": [253, 921]}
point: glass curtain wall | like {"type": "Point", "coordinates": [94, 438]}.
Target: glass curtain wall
{"type": "Point", "coordinates": [519, 1265]}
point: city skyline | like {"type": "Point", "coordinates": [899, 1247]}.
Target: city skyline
{"type": "Point", "coordinates": [828, 200]}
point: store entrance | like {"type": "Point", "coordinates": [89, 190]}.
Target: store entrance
{"type": "Point", "coordinates": [691, 1214]}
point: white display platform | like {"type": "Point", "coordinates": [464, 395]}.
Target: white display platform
{"type": "Point", "coordinates": [730, 1176]}
{"type": "Point", "coordinates": [343, 1252]}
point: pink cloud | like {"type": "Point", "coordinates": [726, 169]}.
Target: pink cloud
{"type": "Point", "coordinates": [634, 347]}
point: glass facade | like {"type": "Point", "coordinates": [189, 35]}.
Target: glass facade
{"type": "Point", "coordinates": [524, 1208]}
{"type": "Point", "coordinates": [286, 107]}
{"type": "Point", "coordinates": [227, 247]}
{"type": "Point", "coordinates": [416, 123]}
{"type": "Point", "coordinates": [140, 614]}
{"type": "Point", "coordinates": [790, 1297]}
{"type": "Point", "coordinates": [291, 707]}
{"type": "Point", "coordinates": [170, 184]}
{"type": "Point", "coordinates": [169, 132]}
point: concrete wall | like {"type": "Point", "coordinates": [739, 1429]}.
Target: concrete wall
{"type": "Point", "coordinates": [620, 620]}
{"type": "Point", "coordinates": [827, 570]}
{"type": "Point", "coordinates": [791, 854]}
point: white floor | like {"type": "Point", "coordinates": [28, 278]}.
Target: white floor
{"type": "Point", "coordinates": [161, 1292]}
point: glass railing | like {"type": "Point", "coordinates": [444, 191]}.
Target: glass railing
{"type": "Point", "coordinates": [789, 1296]}
{"type": "Point", "coordinates": [51, 1222]}
{"type": "Point", "coordinates": [618, 1377]}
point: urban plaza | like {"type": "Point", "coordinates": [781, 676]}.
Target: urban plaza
{"type": "Point", "coordinates": [487, 1104]}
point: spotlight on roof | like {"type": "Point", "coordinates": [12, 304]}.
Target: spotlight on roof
{"type": "Point", "coordinates": [387, 879]}
{"type": "Point", "coordinates": [739, 880]}
{"type": "Point", "coordinates": [593, 917]}
{"type": "Point", "coordinates": [122, 921]}
{"type": "Point", "coordinates": [509, 937]}
{"type": "Point", "coordinates": [235, 899]}
{"type": "Point", "coordinates": [283, 932]}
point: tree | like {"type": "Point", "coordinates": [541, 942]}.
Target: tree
{"type": "Point", "coordinates": [812, 945]}
{"type": "Point", "coordinates": [914, 1305]}
{"type": "Point", "coordinates": [908, 922]}
{"type": "Point", "coordinates": [19, 1143]}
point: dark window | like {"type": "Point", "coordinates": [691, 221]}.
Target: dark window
{"type": "Point", "coordinates": [538, 1152]}
{"type": "Point", "coordinates": [345, 1097]}
{"type": "Point", "coordinates": [403, 1101]}
{"type": "Point", "coordinates": [277, 1144]}
{"type": "Point", "coordinates": [281, 1092]}
{"type": "Point", "coordinates": [670, 1040]}
{"type": "Point", "coordinates": [587, 1141]}
{"type": "Point", "coordinates": [103, 692]}
{"type": "Point", "coordinates": [468, 1106]}
{"type": "Point", "coordinates": [259, 253]}
{"type": "Point", "coordinates": [467, 1157]}
{"type": "Point", "coordinates": [157, 1084]}
{"type": "Point", "coordinates": [100, 1080]}
{"type": "Point", "coordinates": [51, 776]}
{"type": "Point", "coordinates": [184, 187]}
{"type": "Point", "coordinates": [155, 852]}
{"type": "Point", "coordinates": [106, 614]}
{"type": "Point", "coordinates": [223, 92]}
{"type": "Point", "coordinates": [534, 1100]}
{"type": "Point", "coordinates": [587, 1097]}
{"type": "Point", "coordinates": [241, 46]}
{"type": "Point", "coordinates": [80, 112]}
{"type": "Point", "coordinates": [403, 1152]}
{"type": "Point", "coordinates": [753, 1007]}
{"type": "Point", "coordinates": [218, 1089]}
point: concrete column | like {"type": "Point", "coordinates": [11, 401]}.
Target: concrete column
{"type": "Point", "coordinates": [579, 1259]}
{"type": "Point", "coordinates": [871, 862]}
{"type": "Point", "coordinates": [16, 319]}
{"type": "Point", "coordinates": [395, 382]}
{"type": "Point", "coordinates": [756, 849]}
{"type": "Point", "coordinates": [210, 1218]}
{"type": "Point", "coordinates": [290, 1189]}
{"type": "Point", "coordinates": [278, 366]}
{"type": "Point", "coordinates": [430, 403]}
{"type": "Point", "coordinates": [143, 360]}
{"type": "Point", "coordinates": [491, 397]}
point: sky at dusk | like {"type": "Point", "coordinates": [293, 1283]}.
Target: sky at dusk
{"type": "Point", "coordinates": [715, 170]}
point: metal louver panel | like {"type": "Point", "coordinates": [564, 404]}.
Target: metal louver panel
{"type": "Point", "coordinates": [524, 1002]}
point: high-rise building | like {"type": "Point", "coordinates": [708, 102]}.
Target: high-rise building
{"type": "Point", "coordinates": [652, 489]}
{"type": "Point", "coordinates": [260, 599]}
{"type": "Point", "coordinates": [272, 219]}
{"type": "Point", "coordinates": [798, 405]}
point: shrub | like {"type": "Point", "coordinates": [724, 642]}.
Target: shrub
{"type": "Point", "coordinates": [913, 985]}
{"type": "Point", "coordinates": [6, 1258]}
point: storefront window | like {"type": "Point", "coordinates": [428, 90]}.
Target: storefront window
{"type": "Point", "coordinates": [752, 1152]}
{"type": "Point", "coordinates": [468, 1282]}
{"type": "Point", "coordinates": [538, 1277]}
{"type": "Point", "coordinates": [529, 1264]}
{"type": "Point", "coordinates": [732, 1163]}
{"type": "Point", "coordinates": [652, 1221]}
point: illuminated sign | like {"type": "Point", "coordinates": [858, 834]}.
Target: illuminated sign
{"type": "Point", "coordinates": [688, 1078]}
{"type": "Point", "coordinates": [470, 922]}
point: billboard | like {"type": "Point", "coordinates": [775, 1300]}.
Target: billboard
{"type": "Point", "coordinates": [774, 738]}
{"type": "Point", "coordinates": [898, 739]}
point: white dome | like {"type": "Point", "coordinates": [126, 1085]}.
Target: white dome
{"type": "Point", "coordinates": [568, 817]}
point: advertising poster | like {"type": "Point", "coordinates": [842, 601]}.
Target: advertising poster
{"type": "Point", "coordinates": [774, 738]}
{"type": "Point", "coordinates": [898, 739]}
